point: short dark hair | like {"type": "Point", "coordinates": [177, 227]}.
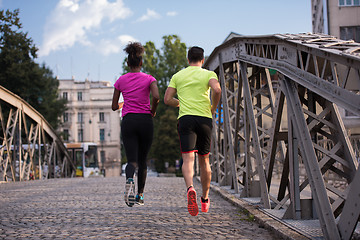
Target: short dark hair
{"type": "Point", "coordinates": [135, 51]}
{"type": "Point", "coordinates": [195, 54]}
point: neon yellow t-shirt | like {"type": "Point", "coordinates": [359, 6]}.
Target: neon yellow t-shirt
{"type": "Point", "coordinates": [193, 91]}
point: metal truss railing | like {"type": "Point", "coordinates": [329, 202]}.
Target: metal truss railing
{"type": "Point", "coordinates": [30, 148]}
{"type": "Point", "coordinates": [279, 105]}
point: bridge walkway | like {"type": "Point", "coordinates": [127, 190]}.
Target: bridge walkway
{"type": "Point", "coordinates": [93, 208]}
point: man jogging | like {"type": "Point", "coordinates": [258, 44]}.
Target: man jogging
{"type": "Point", "coordinates": [192, 86]}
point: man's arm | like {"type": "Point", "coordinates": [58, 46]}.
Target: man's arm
{"type": "Point", "coordinates": [169, 97]}
{"type": "Point", "coordinates": [215, 94]}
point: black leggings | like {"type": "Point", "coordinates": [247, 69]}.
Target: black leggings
{"type": "Point", "coordinates": [137, 135]}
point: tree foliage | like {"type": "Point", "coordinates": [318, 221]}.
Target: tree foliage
{"type": "Point", "coordinates": [162, 64]}
{"type": "Point", "coordinates": [21, 75]}
{"type": "Point", "coordinates": [166, 142]}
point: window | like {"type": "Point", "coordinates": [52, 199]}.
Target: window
{"type": "Point", "coordinates": [101, 117]}
{"type": "Point", "coordinates": [65, 95]}
{"type": "Point", "coordinates": [91, 157]}
{"type": "Point", "coordinates": [102, 134]}
{"type": "Point", "coordinates": [350, 33]}
{"type": "Point", "coordinates": [80, 117]}
{"type": "Point", "coordinates": [66, 117]}
{"type": "Point", "coordinates": [66, 134]}
{"type": "Point", "coordinates": [349, 2]}
{"type": "Point", "coordinates": [80, 135]}
{"type": "Point", "coordinates": [102, 156]}
{"type": "Point", "coordinates": [79, 95]}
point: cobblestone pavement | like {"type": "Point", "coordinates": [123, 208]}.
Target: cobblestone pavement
{"type": "Point", "coordinates": [93, 208]}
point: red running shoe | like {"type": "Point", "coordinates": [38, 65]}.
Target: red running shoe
{"type": "Point", "coordinates": [192, 205]}
{"type": "Point", "coordinates": [205, 204]}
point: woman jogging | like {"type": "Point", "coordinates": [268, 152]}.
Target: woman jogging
{"type": "Point", "coordinates": [137, 123]}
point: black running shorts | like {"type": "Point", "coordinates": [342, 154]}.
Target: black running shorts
{"type": "Point", "coordinates": [195, 134]}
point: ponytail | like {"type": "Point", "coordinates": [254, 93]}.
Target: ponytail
{"type": "Point", "coordinates": [135, 51]}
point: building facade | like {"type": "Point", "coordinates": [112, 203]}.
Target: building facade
{"type": "Point", "coordinates": [89, 118]}
{"type": "Point", "coordinates": [339, 18]}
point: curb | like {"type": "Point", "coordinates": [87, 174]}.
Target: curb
{"type": "Point", "coordinates": [277, 227]}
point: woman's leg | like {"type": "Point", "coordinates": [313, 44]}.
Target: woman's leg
{"type": "Point", "coordinates": [145, 142]}
{"type": "Point", "coordinates": [130, 141]}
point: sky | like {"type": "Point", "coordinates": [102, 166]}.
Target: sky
{"type": "Point", "coordinates": [85, 38]}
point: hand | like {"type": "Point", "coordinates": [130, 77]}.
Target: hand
{"type": "Point", "coordinates": [121, 104]}
{"type": "Point", "coordinates": [153, 113]}
{"type": "Point", "coordinates": [213, 110]}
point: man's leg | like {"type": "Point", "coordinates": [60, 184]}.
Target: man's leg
{"type": "Point", "coordinates": [188, 168]}
{"type": "Point", "coordinates": [188, 172]}
{"type": "Point", "coordinates": [187, 141]}
{"type": "Point", "coordinates": [205, 174]}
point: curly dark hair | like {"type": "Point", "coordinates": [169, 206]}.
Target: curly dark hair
{"type": "Point", "coordinates": [135, 51]}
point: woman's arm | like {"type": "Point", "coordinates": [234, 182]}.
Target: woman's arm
{"type": "Point", "coordinates": [115, 101]}
{"type": "Point", "coordinates": [155, 97]}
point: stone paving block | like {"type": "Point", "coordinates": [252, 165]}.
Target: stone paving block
{"type": "Point", "coordinates": [93, 208]}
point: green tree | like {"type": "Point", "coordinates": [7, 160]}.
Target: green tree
{"type": "Point", "coordinates": [20, 74]}
{"type": "Point", "coordinates": [162, 64]}
{"type": "Point", "coordinates": [166, 142]}
{"type": "Point", "coordinates": [152, 59]}
{"type": "Point", "coordinates": [174, 52]}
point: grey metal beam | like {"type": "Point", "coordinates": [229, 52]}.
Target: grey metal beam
{"type": "Point", "coordinates": [227, 126]}
{"type": "Point", "coordinates": [327, 220]}
{"type": "Point", "coordinates": [235, 49]}
{"type": "Point", "coordinates": [19, 110]}
{"type": "Point", "coordinates": [351, 211]}
{"type": "Point", "coordinates": [254, 132]}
